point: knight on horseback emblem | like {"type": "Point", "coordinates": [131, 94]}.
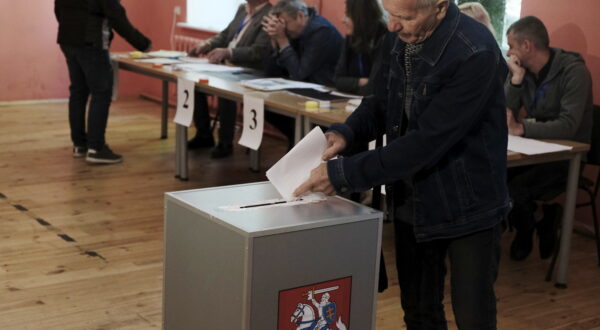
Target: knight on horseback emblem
{"type": "Point", "coordinates": [305, 317]}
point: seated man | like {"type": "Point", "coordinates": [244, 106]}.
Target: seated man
{"type": "Point", "coordinates": [242, 43]}
{"type": "Point", "coordinates": [304, 46]}
{"type": "Point", "coordinates": [549, 96]}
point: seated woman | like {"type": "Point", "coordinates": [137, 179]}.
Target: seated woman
{"type": "Point", "coordinates": [358, 61]}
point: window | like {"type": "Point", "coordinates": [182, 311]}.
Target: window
{"type": "Point", "coordinates": [211, 15]}
{"type": "Point", "coordinates": [502, 14]}
{"type": "Point", "coordinates": [511, 14]}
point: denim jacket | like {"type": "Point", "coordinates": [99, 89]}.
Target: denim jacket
{"type": "Point", "coordinates": [454, 148]}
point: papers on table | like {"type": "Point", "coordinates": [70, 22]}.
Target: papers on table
{"type": "Point", "coordinates": [533, 147]}
{"type": "Point", "coordinates": [353, 104]}
{"type": "Point", "coordinates": [274, 84]}
{"type": "Point", "coordinates": [167, 53]}
{"type": "Point", "coordinates": [159, 60]}
{"type": "Point", "coordinates": [206, 67]}
{"type": "Point", "coordinates": [294, 168]}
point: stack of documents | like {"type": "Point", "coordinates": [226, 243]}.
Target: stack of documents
{"type": "Point", "coordinates": [274, 84]}
{"type": "Point", "coordinates": [533, 147]}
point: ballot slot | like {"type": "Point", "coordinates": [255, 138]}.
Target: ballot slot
{"type": "Point", "coordinates": [278, 202]}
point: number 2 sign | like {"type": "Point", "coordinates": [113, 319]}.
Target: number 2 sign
{"type": "Point", "coordinates": [253, 122]}
{"type": "Point", "coordinates": [185, 102]}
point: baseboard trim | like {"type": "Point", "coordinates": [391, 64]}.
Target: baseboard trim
{"type": "Point", "coordinates": [30, 102]}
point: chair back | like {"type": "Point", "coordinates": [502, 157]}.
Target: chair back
{"type": "Point", "coordinates": [593, 156]}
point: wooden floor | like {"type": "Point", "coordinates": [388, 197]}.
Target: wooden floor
{"type": "Point", "coordinates": [81, 245]}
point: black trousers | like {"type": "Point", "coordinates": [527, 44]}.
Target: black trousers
{"type": "Point", "coordinates": [227, 113]}
{"type": "Point", "coordinates": [91, 74]}
{"type": "Point", "coordinates": [527, 184]}
{"type": "Point", "coordinates": [474, 261]}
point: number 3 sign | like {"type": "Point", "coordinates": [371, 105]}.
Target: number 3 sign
{"type": "Point", "coordinates": [254, 118]}
{"type": "Point", "coordinates": [185, 102]}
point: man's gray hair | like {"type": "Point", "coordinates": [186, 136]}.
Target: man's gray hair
{"type": "Point", "coordinates": [426, 3]}
{"type": "Point", "coordinates": [290, 7]}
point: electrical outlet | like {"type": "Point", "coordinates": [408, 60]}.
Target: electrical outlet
{"type": "Point", "coordinates": [177, 10]}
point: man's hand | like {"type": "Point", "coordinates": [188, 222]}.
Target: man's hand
{"type": "Point", "coordinates": [218, 55]}
{"type": "Point", "coordinates": [514, 127]}
{"type": "Point", "coordinates": [275, 28]}
{"type": "Point", "coordinates": [201, 48]}
{"type": "Point", "coordinates": [516, 69]}
{"type": "Point", "coordinates": [318, 182]}
{"type": "Point", "coordinates": [335, 144]}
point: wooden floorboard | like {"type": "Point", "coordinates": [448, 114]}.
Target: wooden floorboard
{"type": "Point", "coordinates": [81, 245]}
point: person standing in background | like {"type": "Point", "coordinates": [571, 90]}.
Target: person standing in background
{"type": "Point", "coordinates": [85, 31]}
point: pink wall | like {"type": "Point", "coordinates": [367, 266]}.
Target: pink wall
{"type": "Point", "coordinates": [33, 67]}
{"type": "Point", "coordinates": [573, 26]}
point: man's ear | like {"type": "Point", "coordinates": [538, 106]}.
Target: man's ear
{"type": "Point", "coordinates": [527, 45]}
{"type": "Point", "coordinates": [441, 8]}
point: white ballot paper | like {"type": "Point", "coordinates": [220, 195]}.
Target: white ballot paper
{"type": "Point", "coordinates": [254, 113]}
{"type": "Point", "coordinates": [533, 147]}
{"type": "Point", "coordinates": [185, 102]}
{"type": "Point", "coordinates": [294, 168]}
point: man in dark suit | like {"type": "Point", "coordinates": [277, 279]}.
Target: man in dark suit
{"type": "Point", "coordinates": [242, 43]}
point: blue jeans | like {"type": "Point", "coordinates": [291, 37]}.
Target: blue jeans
{"type": "Point", "coordinates": [91, 73]}
{"type": "Point", "coordinates": [421, 269]}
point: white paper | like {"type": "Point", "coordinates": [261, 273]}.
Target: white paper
{"type": "Point", "coordinates": [254, 114]}
{"type": "Point", "coordinates": [194, 59]}
{"type": "Point", "coordinates": [533, 147]}
{"type": "Point", "coordinates": [206, 67]}
{"type": "Point", "coordinates": [273, 84]}
{"type": "Point", "coordinates": [158, 60]}
{"type": "Point", "coordinates": [294, 168]}
{"type": "Point", "coordinates": [167, 53]}
{"type": "Point", "coordinates": [185, 102]}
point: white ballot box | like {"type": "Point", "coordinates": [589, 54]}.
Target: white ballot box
{"type": "Point", "coordinates": [230, 264]}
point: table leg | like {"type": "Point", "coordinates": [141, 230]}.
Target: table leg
{"type": "Point", "coordinates": [298, 129]}
{"type": "Point", "coordinates": [183, 154]}
{"type": "Point", "coordinates": [255, 160]}
{"type": "Point", "coordinates": [567, 222]}
{"type": "Point", "coordinates": [307, 125]}
{"type": "Point", "coordinates": [165, 110]}
{"type": "Point", "coordinates": [177, 151]}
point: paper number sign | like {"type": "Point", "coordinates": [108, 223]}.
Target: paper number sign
{"type": "Point", "coordinates": [254, 110]}
{"type": "Point", "coordinates": [185, 102]}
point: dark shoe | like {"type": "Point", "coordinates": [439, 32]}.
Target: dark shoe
{"type": "Point", "coordinates": [79, 152]}
{"type": "Point", "coordinates": [522, 244]}
{"type": "Point", "coordinates": [199, 142]}
{"type": "Point", "coordinates": [547, 229]}
{"type": "Point", "coordinates": [222, 151]}
{"type": "Point", "coordinates": [103, 156]}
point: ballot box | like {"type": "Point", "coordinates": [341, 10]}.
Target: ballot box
{"type": "Point", "coordinates": [236, 257]}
